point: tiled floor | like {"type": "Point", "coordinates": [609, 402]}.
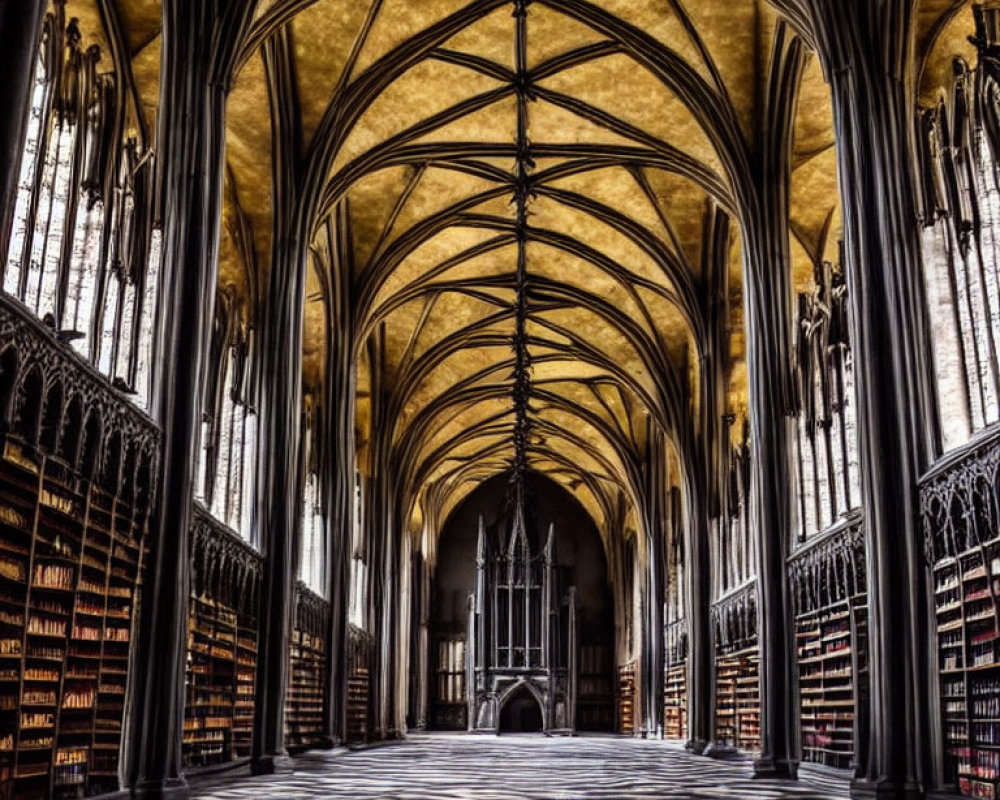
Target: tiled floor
{"type": "Point", "coordinates": [463, 767]}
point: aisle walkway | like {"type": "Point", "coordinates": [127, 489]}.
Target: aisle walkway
{"type": "Point", "coordinates": [463, 767]}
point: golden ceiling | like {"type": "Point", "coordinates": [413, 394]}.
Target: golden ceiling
{"type": "Point", "coordinates": [626, 182]}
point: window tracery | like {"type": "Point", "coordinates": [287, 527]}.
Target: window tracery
{"type": "Point", "coordinates": [826, 429]}
{"type": "Point", "coordinates": [736, 554]}
{"type": "Point", "coordinates": [79, 255]}
{"type": "Point", "coordinates": [960, 140]}
{"type": "Point", "coordinates": [359, 564]}
{"type": "Point", "coordinates": [227, 469]}
{"type": "Point", "coordinates": [313, 557]}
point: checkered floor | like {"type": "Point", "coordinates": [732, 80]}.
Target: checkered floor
{"type": "Point", "coordinates": [462, 767]}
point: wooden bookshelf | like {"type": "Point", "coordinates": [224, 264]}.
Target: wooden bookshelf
{"type": "Point", "coordinates": [71, 556]}
{"type": "Point", "coordinates": [828, 583]}
{"type": "Point", "coordinates": [305, 707]}
{"type": "Point", "coordinates": [222, 645]}
{"type": "Point", "coordinates": [77, 461]}
{"type": "Point", "coordinates": [737, 668]}
{"type": "Point", "coordinates": [737, 699]}
{"type": "Point", "coordinates": [626, 698]}
{"type": "Point", "coordinates": [595, 694]}
{"type": "Point", "coordinates": [210, 683]}
{"type": "Point", "coordinates": [450, 701]}
{"type": "Point", "coordinates": [675, 701]}
{"type": "Point", "coordinates": [966, 591]}
{"type": "Point", "coordinates": [360, 651]}
{"type": "Point", "coordinates": [675, 721]}
{"type": "Point", "coordinates": [827, 645]}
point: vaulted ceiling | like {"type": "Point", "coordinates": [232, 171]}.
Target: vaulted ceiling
{"type": "Point", "coordinates": [443, 117]}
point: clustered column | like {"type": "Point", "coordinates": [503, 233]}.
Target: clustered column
{"type": "Point", "coordinates": [191, 144]}
{"type": "Point", "coordinates": [866, 51]}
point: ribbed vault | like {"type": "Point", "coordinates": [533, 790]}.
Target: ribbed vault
{"type": "Point", "coordinates": [392, 129]}
{"type": "Point", "coordinates": [626, 127]}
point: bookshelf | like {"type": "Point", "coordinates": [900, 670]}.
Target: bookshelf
{"type": "Point", "coordinates": [305, 723]}
{"type": "Point", "coordinates": [965, 592]}
{"type": "Point", "coordinates": [360, 652]}
{"type": "Point", "coordinates": [737, 668]}
{"type": "Point", "coordinates": [626, 698]}
{"type": "Point", "coordinates": [450, 702]}
{"type": "Point", "coordinates": [737, 699]}
{"type": "Point", "coordinates": [76, 467]}
{"type": "Point", "coordinates": [958, 509]}
{"type": "Point", "coordinates": [827, 641]}
{"type": "Point", "coordinates": [675, 702]}
{"type": "Point", "coordinates": [595, 696]}
{"type": "Point", "coordinates": [71, 556]}
{"type": "Point", "coordinates": [675, 722]}
{"type": "Point", "coordinates": [222, 646]}
{"type": "Point", "coordinates": [828, 580]}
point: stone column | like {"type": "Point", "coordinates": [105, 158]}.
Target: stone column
{"type": "Point", "coordinates": [280, 481]}
{"type": "Point", "coordinates": [697, 607]}
{"type": "Point", "coordinates": [339, 462]}
{"type": "Point", "coordinates": [190, 146]}
{"type": "Point", "coordinates": [865, 49]}
{"type": "Point", "coordinates": [767, 312]}
{"type": "Point", "coordinates": [704, 475]}
{"type": "Point", "coordinates": [649, 705]}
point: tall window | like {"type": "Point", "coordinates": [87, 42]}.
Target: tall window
{"type": "Point", "coordinates": [675, 598]}
{"type": "Point", "coordinates": [827, 423]}
{"type": "Point", "coordinates": [736, 556]}
{"type": "Point", "coordinates": [359, 566]}
{"type": "Point", "coordinates": [314, 543]}
{"type": "Point", "coordinates": [962, 205]}
{"type": "Point", "coordinates": [312, 564]}
{"type": "Point", "coordinates": [228, 458]}
{"type": "Point", "coordinates": [81, 256]}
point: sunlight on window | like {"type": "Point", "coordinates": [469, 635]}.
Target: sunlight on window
{"type": "Point", "coordinates": [228, 452]}
{"type": "Point", "coordinates": [147, 322]}
{"type": "Point", "coordinates": [826, 432]}
{"type": "Point", "coordinates": [109, 323]}
{"type": "Point", "coordinates": [70, 252]}
{"type": "Point", "coordinates": [312, 563]}
{"type": "Point", "coordinates": [25, 185]}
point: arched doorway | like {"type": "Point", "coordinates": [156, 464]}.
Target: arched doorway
{"type": "Point", "coordinates": [521, 713]}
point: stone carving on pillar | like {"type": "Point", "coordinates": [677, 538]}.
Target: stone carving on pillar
{"type": "Point", "coordinates": [959, 147]}
{"type": "Point", "coordinates": [20, 27]}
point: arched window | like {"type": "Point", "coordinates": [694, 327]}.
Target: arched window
{"type": "Point", "coordinates": [147, 322]}
{"type": "Point", "coordinates": [962, 215]}
{"type": "Point", "coordinates": [357, 611]}
{"type": "Point", "coordinates": [312, 564]}
{"type": "Point", "coordinates": [227, 467]}
{"type": "Point", "coordinates": [826, 441]}
{"type": "Point", "coordinates": [314, 542]}
{"type": "Point", "coordinates": [78, 252]}
{"type": "Point", "coordinates": [736, 555]}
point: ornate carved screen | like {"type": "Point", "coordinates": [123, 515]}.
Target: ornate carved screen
{"type": "Point", "coordinates": [522, 666]}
